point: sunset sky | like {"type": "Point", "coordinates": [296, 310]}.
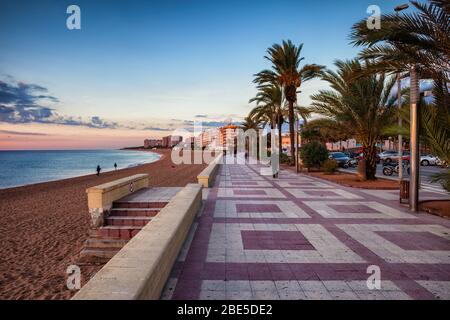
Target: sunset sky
{"type": "Point", "coordinates": [140, 69]}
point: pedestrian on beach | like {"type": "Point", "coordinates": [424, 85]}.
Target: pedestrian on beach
{"type": "Point", "coordinates": [98, 170]}
{"type": "Point", "coordinates": [115, 166]}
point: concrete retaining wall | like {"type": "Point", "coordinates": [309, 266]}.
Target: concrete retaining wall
{"type": "Point", "coordinates": [101, 197]}
{"type": "Point", "coordinates": [141, 269]}
{"type": "Point", "coordinates": [208, 175]}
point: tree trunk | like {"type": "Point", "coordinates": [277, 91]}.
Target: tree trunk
{"type": "Point", "coordinates": [370, 154]}
{"type": "Point", "coordinates": [279, 135]}
{"type": "Point", "coordinates": [362, 170]}
{"type": "Point", "coordinates": [291, 130]}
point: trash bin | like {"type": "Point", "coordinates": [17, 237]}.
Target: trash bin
{"type": "Point", "coordinates": [404, 190]}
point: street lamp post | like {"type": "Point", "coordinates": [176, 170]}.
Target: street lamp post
{"type": "Point", "coordinates": [399, 98]}
{"type": "Point", "coordinates": [414, 131]}
{"type": "Point", "coordinates": [414, 141]}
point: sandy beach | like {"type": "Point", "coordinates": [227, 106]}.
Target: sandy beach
{"type": "Point", "coordinates": [43, 227]}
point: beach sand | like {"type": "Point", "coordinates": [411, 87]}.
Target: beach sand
{"type": "Point", "coordinates": [43, 227]}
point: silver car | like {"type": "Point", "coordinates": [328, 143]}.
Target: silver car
{"type": "Point", "coordinates": [427, 160]}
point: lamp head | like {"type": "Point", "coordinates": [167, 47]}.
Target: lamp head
{"type": "Point", "coordinates": [401, 7]}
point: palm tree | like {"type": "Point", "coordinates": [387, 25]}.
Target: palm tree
{"type": "Point", "coordinates": [420, 39]}
{"type": "Point", "coordinates": [361, 103]}
{"type": "Point", "coordinates": [325, 130]}
{"type": "Point", "coordinates": [303, 112]}
{"type": "Point", "coordinates": [434, 129]}
{"type": "Point", "coordinates": [268, 105]}
{"type": "Point", "coordinates": [249, 123]}
{"type": "Point", "coordinates": [269, 108]}
{"type": "Point", "coordinates": [286, 73]}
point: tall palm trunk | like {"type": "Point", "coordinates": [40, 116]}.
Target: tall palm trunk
{"type": "Point", "coordinates": [291, 128]}
{"type": "Point", "coordinates": [280, 124]}
{"type": "Point", "coordinates": [370, 154]}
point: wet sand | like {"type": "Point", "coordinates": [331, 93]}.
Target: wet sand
{"type": "Point", "coordinates": [43, 227]}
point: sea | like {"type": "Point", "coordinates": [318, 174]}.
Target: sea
{"type": "Point", "coordinates": [18, 168]}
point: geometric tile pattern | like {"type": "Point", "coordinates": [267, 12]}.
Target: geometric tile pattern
{"type": "Point", "coordinates": [299, 237]}
{"type": "Point", "coordinates": [336, 194]}
{"type": "Point", "coordinates": [392, 248]}
{"type": "Point", "coordinates": [297, 290]}
{"type": "Point", "coordinates": [249, 193]}
{"type": "Point", "coordinates": [356, 210]}
{"type": "Point", "coordinates": [227, 244]}
{"type": "Point", "coordinates": [258, 209]}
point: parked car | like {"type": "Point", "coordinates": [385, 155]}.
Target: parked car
{"type": "Point", "coordinates": [389, 156]}
{"type": "Point", "coordinates": [426, 160]}
{"type": "Point", "coordinates": [341, 158]}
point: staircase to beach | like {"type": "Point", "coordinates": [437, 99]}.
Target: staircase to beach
{"type": "Point", "coordinates": [127, 217]}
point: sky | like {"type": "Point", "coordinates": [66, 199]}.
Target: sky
{"type": "Point", "coordinates": [141, 69]}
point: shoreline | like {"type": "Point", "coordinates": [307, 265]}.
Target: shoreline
{"type": "Point", "coordinates": [85, 175]}
{"type": "Point", "coordinates": [43, 227]}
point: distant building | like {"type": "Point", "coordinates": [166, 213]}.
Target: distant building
{"type": "Point", "coordinates": [286, 142]}
{"type": "Point", "coordinates": [342, 145]}
{"type": "Point", "coordinates": [208, 138]}
{"type": "Point", "coordinates": [213, 138]}
{"type": "Point", "coordinates": [190, 140]}
{"type": "Point", "coordinates": [152, 143]}
{"type": "Point", "coordinates": [171, 141]}
{"type": "Point", "coordinates": [228, 135]}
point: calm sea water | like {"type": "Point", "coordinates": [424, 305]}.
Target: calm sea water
{"type": "Point", "coordinates": [19, 168]}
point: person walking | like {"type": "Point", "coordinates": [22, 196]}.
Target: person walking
{"type": "Point", "coordinates": [115, 166]}
{"type": "Point", "coordinates": [98, 170]}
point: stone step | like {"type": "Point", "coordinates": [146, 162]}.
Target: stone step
{"type": "Point", "coordinates": [104, 243]}
{"type": "Point", "coordinates": [128, 204]}
{"type": "Point", "coordinates": [93, 255]}
{"type": "Point", "coordinates": [134, 212]}
{"type": "Point", "coordinates": [118, 232]}
{"type": "Point", "coordinates": [127, 221]}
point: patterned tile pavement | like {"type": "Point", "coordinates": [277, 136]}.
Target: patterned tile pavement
{"type": "Point", "coordinates": [298, 237]}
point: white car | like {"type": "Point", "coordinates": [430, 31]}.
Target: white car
{"type": "Point", "coordinates": [427, 160]}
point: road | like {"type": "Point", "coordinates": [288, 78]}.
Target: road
{"type": "Point", "coordinates": [425, 175]}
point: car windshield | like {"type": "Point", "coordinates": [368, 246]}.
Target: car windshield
{"type": "Point", "coordinates": [338, 155]}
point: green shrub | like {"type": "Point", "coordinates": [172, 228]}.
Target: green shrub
{"type": "Point", "coordinates": [285, 159]}
{"type": "Point", "coordinates": [313, 154]}
{"type": "Point", "coordinates": [330, 166]}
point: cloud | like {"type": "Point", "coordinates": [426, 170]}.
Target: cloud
{"type": "Point", "coordinates": [23, 103]}
{"type": "Point", "coordinates": [23, 94]}
{"type": "Point", "coordinates": [200, 116]}
{"type": "Point", "coordinates": [157, 128]}
{"type": "Point", "coordinates": [21, 133]}
{"type": "Point", "coordinates": [217, 124]}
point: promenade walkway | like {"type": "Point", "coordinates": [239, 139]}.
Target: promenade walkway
{"type": "Point", "coordinates": [298, 237]}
